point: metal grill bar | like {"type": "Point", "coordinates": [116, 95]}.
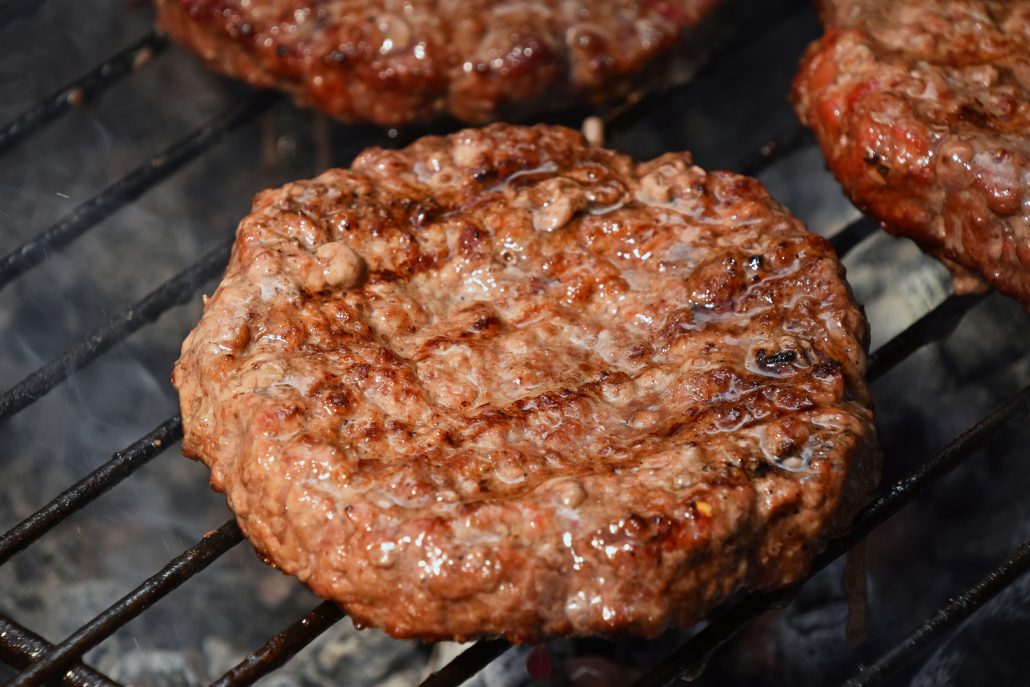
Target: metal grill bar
{"type": "Point", "coordinates": [736, 617]}
{"type": "Point", "coordinates": [121, 465]}
{"type": "Point", "coordinates": [86, 86]}
{"type": "Point", "coordinates": [852, 235]}
{"type": "Point", "coordinates": [19, 648]}
{"type": "Point", "coordinates": [131, 605]}
{"type": "Point", "coordinates": [948, 617]}
{"type": "Point", "coordinates": [933, 326]}
{"type": "Point", "coordinates": [775, 150]}
{"type": "Point", "coordinates": [281, 648]}
{"type": "Point", "coordinates": [467, 663]}
{"type": "Point", "coordinates": [130, 187]}
{"type": "Point", "coordinates": [176, 291]}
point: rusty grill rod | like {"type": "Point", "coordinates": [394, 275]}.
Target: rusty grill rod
{"type": "Point", "coordinates": [949, 616]}
{"type": "Point", "coordinates": [281, 648]}
{"type": "Point", "coordinates": [180, 569]}
{"type": "Point", "coordinates": [695, 651]}
{"type": "Point", "coordinates": [130, 187]}
{"type": "Point", "coordinates": [20, 648]}
{"type": "Point", "coordinates": [87, 86]}
{"type": "Point", "coordinates": [121, 465]}
{"type": "Point", "coordinates": [176, 291]}
{"type": "Point", "coordinates": [467, 663]}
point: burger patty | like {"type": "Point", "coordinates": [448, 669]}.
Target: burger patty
{"type": "Point", "coordinates": [922, 109]}
{"type": "Point", "coordinates": [508, 383]}
{"type": "Point", "coordinates": [392, 63]}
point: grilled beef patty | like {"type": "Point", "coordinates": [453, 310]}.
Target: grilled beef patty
{"type": "Point", "coordinates": [393, 63]}
{"type": "Point", "coordinates": [922, 109]}
{"type": "Point", "coordinates": [504, 382]}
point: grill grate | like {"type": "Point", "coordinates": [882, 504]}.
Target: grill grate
{"type": "Point", "coordinates": [181, 568]}
{"type": "Point", "coordinates": [176, 291]}
{"type": "Point", "coordinates": [20, 648]}
{"type": "Point", "coordinates": [89, 85]}
{"type": "Point", "coordinates": [467, 664]}
{"type": "Point", "coordinates": [953, 613]}
{"type": "Point", "coordinates": [41, 662]}
{"type": "Point", "coordinates": [282, 647]}
{"type": "Point", "coordinates": [121, 465]}
{"type": "Point", "coordinates": [130, 187]}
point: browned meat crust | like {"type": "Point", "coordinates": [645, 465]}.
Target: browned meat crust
{"type": "Point", "coordinates": [392, 63]}
{"type": "Point", "coordinates": [507, 383]}
{"type": "Point", "coordinates": [922, 109]}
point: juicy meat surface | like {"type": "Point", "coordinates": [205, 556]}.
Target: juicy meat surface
{"type": "Point", "coordinates": [504, 382]}
{"type": "Point", "coordinates": [922, 110]}
{"type": "Point", "coordinates": [392, 63]}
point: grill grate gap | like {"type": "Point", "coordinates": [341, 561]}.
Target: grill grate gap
{"type": "Point", "coordinates": [775, 150]}
{"type": "Point", "coordinates": [622, 115]}
{"type": "Point", "coordinates": [933, 326]}
{"type": "Point", "coordinates": [850, 236]}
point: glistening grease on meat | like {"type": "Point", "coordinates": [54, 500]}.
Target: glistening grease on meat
{"type": "Point", "coordinates": [508, 383]}
{"type": "Point", "coordinates": [922, 109]}
{"type": "Point", "coordinates": [393, 63]}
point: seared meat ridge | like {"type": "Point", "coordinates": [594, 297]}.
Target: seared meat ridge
{"type": "Point", "coordinates": [504, 382]}
{"type": "Point", "coordinates": [923, 112]}
{"type": "Point", "coordinates": [393, 63]}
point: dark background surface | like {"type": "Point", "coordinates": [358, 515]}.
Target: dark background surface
{"type": "Point", "coordinates": [932, 550]}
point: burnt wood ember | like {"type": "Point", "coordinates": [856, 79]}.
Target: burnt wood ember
{"type": "Point", "coordinates": [508, 383]}
{"type": "Point", "coordinates": [477, 60]}
{"type": "Point", "coordinates": [923, 112]}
